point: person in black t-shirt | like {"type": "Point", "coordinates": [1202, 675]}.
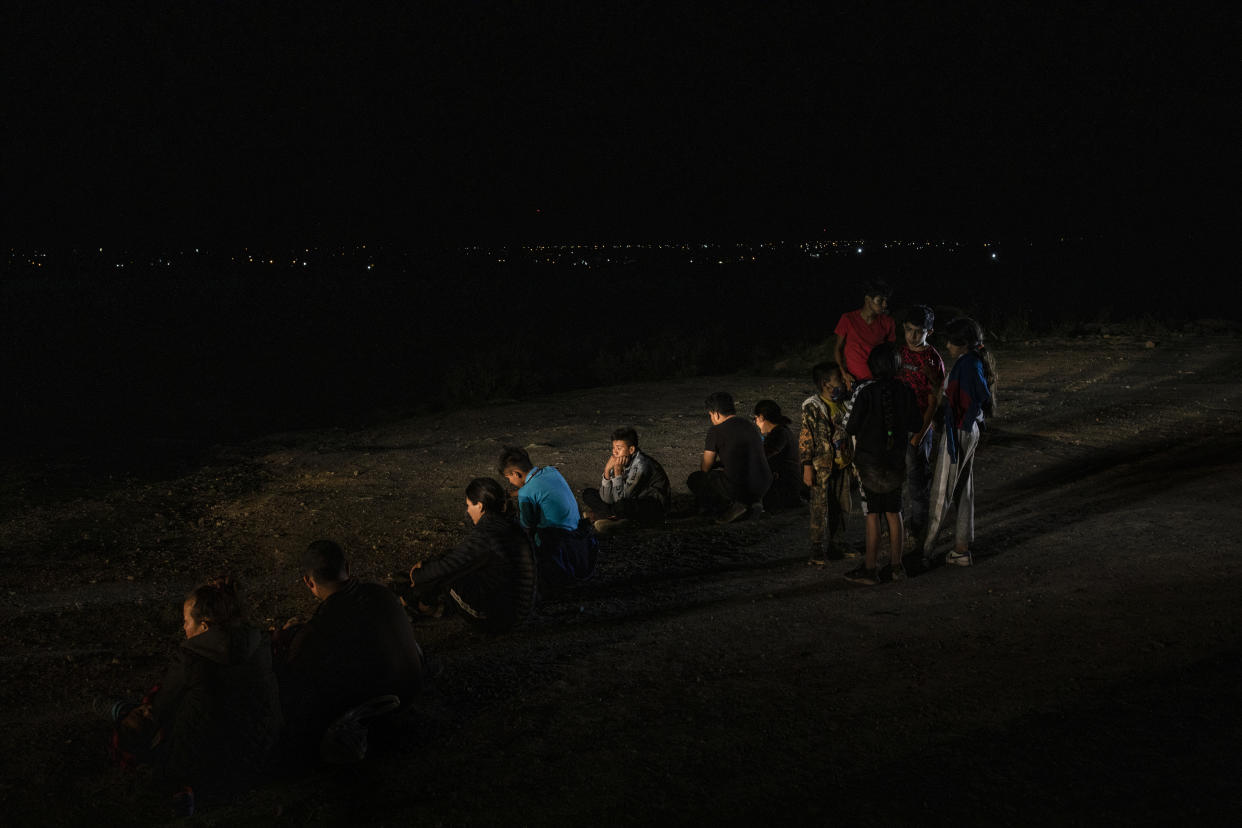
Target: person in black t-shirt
{"type": "Point", "coordinates": [734, 475]}
{"type": "Point", "coordinates": [358, 645]}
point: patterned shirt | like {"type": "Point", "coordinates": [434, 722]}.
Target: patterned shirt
{"type": "Point", "coordinates": [819, 442]}
{"type": "Point", "coordinates": [923, 371]}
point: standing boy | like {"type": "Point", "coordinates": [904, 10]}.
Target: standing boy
{"type": "Point", "coordinates": [858, 331]}
{"type": "Point", "coordinates": [922, 370]}
{"type": "Point", "coordinates": [825, 457]}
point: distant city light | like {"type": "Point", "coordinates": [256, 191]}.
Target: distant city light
{"type": "Point", "coordinates": [860, 250]}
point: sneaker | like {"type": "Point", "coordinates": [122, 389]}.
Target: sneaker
{"type": "Point", "coordinates": [862, 575]}
{"type": "Point", "coordinates": [112, 709]}
{"type": "Point", "coordinates": [607, 526]}
{"type": "Point", "coordinates": [733, 513]}
{"type": "Point", "coordinates": [420, 610]}
{"type": "Point", "coordinates": [956, 558]}
{"type": "Point", "coordinates": [345, 741]}
{"type": "Point", "coordinates": [756, 511]}
{"type": "Point", "coordinates": [897, 573]}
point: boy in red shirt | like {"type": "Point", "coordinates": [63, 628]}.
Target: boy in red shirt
{"type": "Point", "coordinates": [859, 331]}
{"type": "Point", "coordinates": [922, 370]}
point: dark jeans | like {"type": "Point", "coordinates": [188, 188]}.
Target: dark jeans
{"type": "Point", "coordinates": [641, 509]}
{"type": "Point", "coordinates": [711, 490]}
{"type": "Point", "coordinates": [564, 557]}
{"type": "Point", "coordinates": [918, 482]}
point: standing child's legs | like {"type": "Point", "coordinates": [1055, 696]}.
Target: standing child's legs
{"type": "Point", "coordinates": [872, 510]}
{"type": "Point", "coordinates": [896, 539]}
{"type": "Point", "coordinates": [840, 503]}
{"type": "Point", "coordinates": [873, 539]}
{"type": "Point", "coordinates": [918, 482]}
{"type": "Point", "coordinates": [821, 514]}
{"type": "Point", "coordinates": [964, 494]}
{"type": "Point", "coordinates": [953, 485]}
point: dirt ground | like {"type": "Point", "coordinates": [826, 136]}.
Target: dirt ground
{"type": "Point", "coordinates": [1085, 671]}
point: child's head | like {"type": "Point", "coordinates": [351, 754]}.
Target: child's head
{"type": "Point", "coordinates": [514, 464]}
{"type": "Point", "coordinates": [624, 443]}
{"type": "Point", "coordinates": [769, 411]}
{"type": "Point", "coordinates": [827, 378]}
{"type": "Point", "coordinates": [963, 333]}
{"type": "Point", "coordinates": [884, 361]}
{"type": "Point", "coordinates": [876, 294]}
{"type": "Point", "coordinates": [485, 496]}
{"type": "Point", "coordinates": [917, 325]}
{"type": "Point", "coordinates": [214, 603]}
{"type": "Point", "coordinates": [721, 402]}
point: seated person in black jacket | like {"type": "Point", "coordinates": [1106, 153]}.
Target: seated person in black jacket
{"type": "Point", "coordinates": [214, 717]}
{"type": "Point", "coordinates": [357, 646]}
{"type": "Point", "coordinates": [491, 574]}
{"type": "Point", "coordinates": [780, 446]}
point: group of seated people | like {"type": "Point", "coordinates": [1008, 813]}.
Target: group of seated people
{"type": "Point", "coordinates": [234, 694]}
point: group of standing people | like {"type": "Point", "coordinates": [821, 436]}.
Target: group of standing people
{"type": "Point", "coordinates": [876, 418]}
{"type": "Point", "coordinates": [885, 424]}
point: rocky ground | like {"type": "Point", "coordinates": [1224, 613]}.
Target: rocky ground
{"type": "Point", "coordinates": [1084, 671]}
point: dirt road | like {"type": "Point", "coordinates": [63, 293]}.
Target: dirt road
{"type": "Point", "coordinates": [1084, 671]}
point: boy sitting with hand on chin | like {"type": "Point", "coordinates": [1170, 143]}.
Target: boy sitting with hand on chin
{"type": "Point", "coordinates": [634, 487]}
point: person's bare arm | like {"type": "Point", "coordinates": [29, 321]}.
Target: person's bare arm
{"type": "Point", "coordinates": [838, 353]}
{"type": "Point", "coordinates": [928, 416]}
{"type": "Point", "coordinates": [709, 460]}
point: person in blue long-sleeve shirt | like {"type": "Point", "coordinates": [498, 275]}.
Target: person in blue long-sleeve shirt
{"type": "Point", "coordinates": [565, 548]}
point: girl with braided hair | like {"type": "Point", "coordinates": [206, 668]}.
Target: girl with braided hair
{"type": "Point", "coordinates": [969, 399]}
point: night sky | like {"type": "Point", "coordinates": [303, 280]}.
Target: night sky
{"type": "Point", "coordinates": [177, 122]}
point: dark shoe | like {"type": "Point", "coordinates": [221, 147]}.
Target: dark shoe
{"type": "Point", "coordinates": [420, 610]}
{"type": "Point", "coordinates": [897, 573]}
{"type": "Point", "coordinates": [733, 513]}
{"type": "Point", "coordinates": [112, 709]}
{"type": "Point", "coordinates": [345, 741]}
{"type": "Point", "coordinates": [862, 575]}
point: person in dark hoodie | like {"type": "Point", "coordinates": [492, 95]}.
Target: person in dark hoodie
{"type": "Point", "coordinates": [211, 722]}
{"type": "Point", "coordinates": [780, 446]}
{"type": "Point", "coordinates": [491, 574]}
{"type": "Point", "coordinates": [358, 645]}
